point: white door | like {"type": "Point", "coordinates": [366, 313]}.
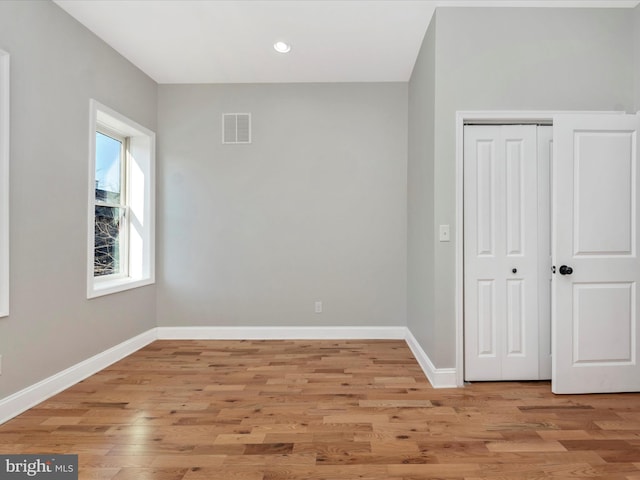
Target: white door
{"type": "Point", "coordinates": [595, 288]}
{"type": "Point", "coordinates": [501, 253]}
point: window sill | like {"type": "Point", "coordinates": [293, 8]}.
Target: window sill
{"type": "Point", "coordinates": [99, 288]}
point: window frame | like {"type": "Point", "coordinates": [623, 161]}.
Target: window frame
{"type": "Point", "coordinates": [4, 182]}
{"type": "Point", "coordinates": [138, 190]}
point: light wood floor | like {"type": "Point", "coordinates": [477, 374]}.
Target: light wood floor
{"type": "Point", "coordinates": [275, 410]}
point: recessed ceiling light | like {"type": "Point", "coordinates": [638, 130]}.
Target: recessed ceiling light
{"type": "Point", "coordinates": [282, 47]}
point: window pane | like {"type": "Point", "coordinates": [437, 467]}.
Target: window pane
{"type": "Point", "coordinates": [109, 227]}
{"type": "Point", "coordinates": [108, 168]}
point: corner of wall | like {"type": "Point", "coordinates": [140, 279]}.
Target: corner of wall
{"type": "Point", "coordinates": [420, 194]}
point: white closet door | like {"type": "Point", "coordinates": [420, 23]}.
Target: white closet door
{"type": "Point", "coordinates": [501, 249]}
{"type": "Point", "coordinates": [545, 202]}
{"type": "Point", "coordinates": [595, 318]}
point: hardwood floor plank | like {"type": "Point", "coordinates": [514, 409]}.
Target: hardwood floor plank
{"type": "Point", "coordinates": [111, 461]}
{"type": "Point", "coordinates": [132, 473]}
{"type": "Point", "coordinates": [188, 461]}
{"type": "Point", "coordinates": [541, 446]}
{"type": "Point", "coordinates": [226, 473]}
{"type": "Point", "coordinates": [98, 473]}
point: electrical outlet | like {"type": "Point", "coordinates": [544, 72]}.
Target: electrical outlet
{"type": "Point", "coordinates": [445, 233]}
{"type": "Point", "coordinates": [318, 307]}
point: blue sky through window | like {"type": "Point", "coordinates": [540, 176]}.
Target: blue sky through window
{"type": "Point", "coordinates": [108, 163]}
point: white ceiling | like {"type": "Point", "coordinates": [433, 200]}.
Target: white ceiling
{"type": "Point", "coordinates": [220, 41]}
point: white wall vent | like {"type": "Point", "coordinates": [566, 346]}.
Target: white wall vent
{"type": "Point", "coordinates": [236, 128]}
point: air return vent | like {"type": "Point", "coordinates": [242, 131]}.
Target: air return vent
{"type": "Point", "coordinates": [236, 128]}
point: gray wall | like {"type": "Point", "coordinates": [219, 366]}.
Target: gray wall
{"type": "Point", "coordinates": [420, 233]}
{"type": "Point", "coordinates": [313, 209]}
{"type": "Point", "coordinates": [515, 59]}
{"type": "Point", "coordinates": [636, 55]}
{"type": "Point", "coordinates": [56, 66]}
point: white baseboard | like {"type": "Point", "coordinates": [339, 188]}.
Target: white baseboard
{"type": "Point", "coordinates": [29, 397]}
{"type": "Point", "coordinates": [17, 403]}
{"type": "Point", "coordinates": [438, 377]}
{"type": "Point", "coordinates": [281, 333]}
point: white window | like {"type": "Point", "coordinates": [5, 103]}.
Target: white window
{"type": "Point", "coordinates": [111, 225]}
{"type": "Point", "coordinates": [121, 203]}
{"type": "Point", "coordinates": [4, 184]}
